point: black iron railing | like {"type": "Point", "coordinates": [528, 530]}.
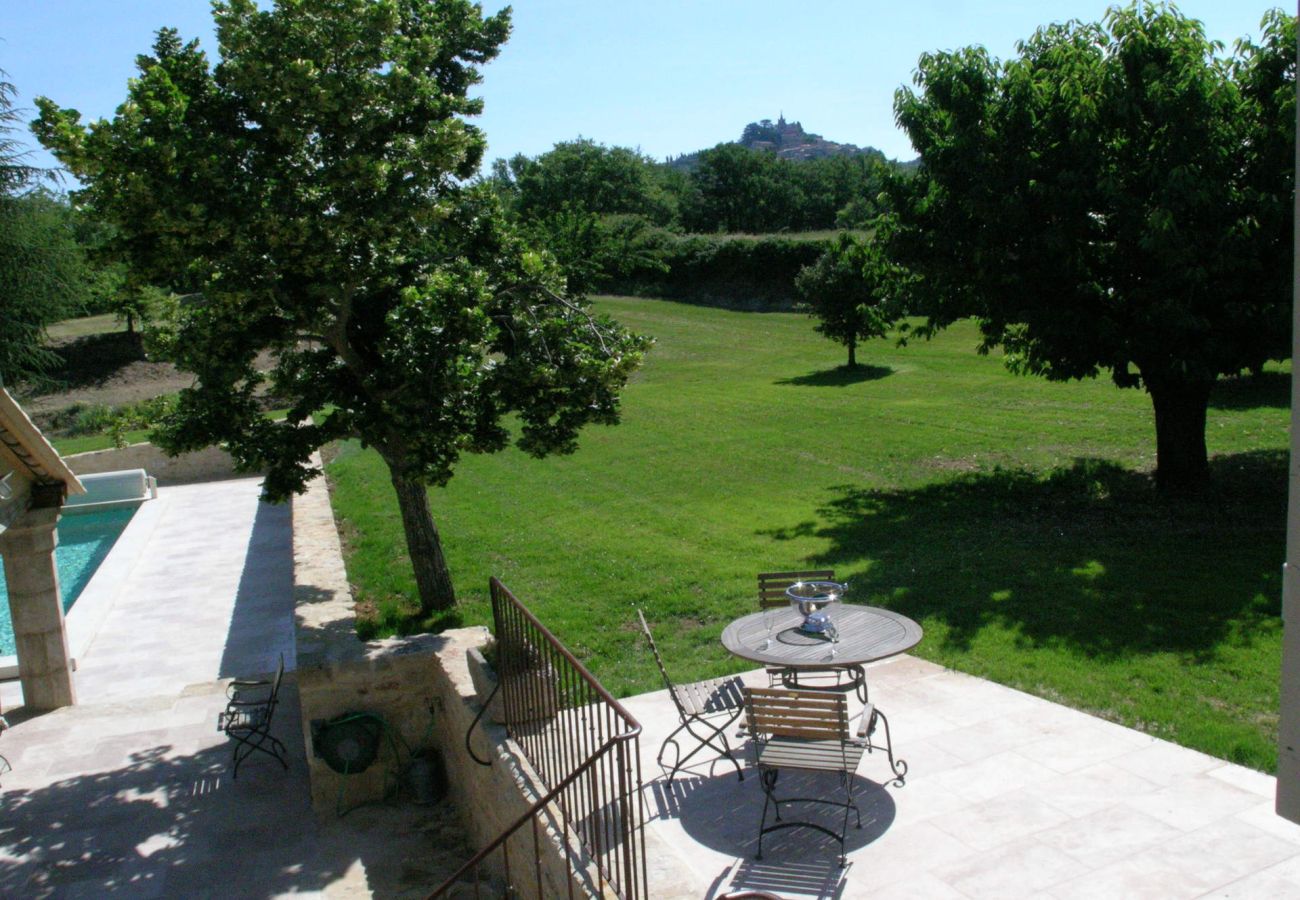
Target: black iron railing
{"type": "Point", "coordinates": [584, 748]}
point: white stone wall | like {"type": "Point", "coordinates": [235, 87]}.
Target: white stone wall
{"type": "Point", "coordinates": [210, 464]}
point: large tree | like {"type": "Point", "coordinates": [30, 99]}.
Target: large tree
{"type": "Point", "coordinates": [734, 188]}
{"type": "Point", "coordinates": [592, 206]}
{"type": "Point", "coordinates": [309, 194]}
{"type": "Point", "coordinates": [590, 176]}
{"type": "Point", "coordinates": [43, 273]}
{"type": "Point", "coordinates": [1116, 199]}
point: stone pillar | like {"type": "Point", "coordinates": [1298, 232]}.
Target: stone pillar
{"type": "Point", "coordinates": [1288, 729]}
{"type": "Point", "coordinates": [36, 605]}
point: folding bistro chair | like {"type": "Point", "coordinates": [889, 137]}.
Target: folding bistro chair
{"type": "Point", "coordinates": [705, 709]}
{"type": "Point", "coordinates": [248, 716]}
{"type": "Point", "coordinates": [772, 585]}
{"type": "Point", "coordinates": [771, 595]}
{"type": "Point", "coordinates": [806, 731]}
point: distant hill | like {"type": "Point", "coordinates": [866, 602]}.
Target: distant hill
{"type": "Point", "coordinates": [787, 140]}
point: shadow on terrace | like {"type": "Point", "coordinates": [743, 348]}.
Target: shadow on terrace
{"type": "Point", "coordinates": [174, 823]}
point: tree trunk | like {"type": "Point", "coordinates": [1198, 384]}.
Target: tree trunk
{"type": "Point", "coordinates": [432, 578]}
{"type": "Point", "coordinates": [853, 353]}
{"type": "Point", "coordinates": [1182, 462]}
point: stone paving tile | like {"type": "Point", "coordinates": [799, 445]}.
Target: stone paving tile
{"type": "Point", "coordinates": [924, 755]}
{"type": "Point", "coordinates": [1247, 779]}
{"type": "Point", "coordinates": [917, 725]}
{"type": "Point", "coordinates": [1083, 746]}
{"type": "Point", "coordinates": [1188, 866]}
{"type": "Point", "coordinates": [921, 886]}
{"type": "Point", "coordinates": [1022, 868]}
{"type": "Point", "coordinates": [1192, 803]}
{"type": "Point", "coordinates": [1088, 790]}
{"type": "Point", "coordinates": [1136, 877]}
{"type": "Point", "coordinates": [1000, 820]}
{"type": "Point", "coordinates": [906, 849]}
{"type": "Point", "coordinates": [1264, 816]}
{"type": "Point", "coordinates": [974, 742]}
{"type": "Point", "coordinates": [1165, 763]}
{"type": "Point", "coordinates": [1107, 836]}
{"type": "Point", "coordinates": [994, 776]}
{"type": "Point", "coordinates": [1224, 850]}
{"type": "Point", "coordinates": [925, 799]}
{"type": "Point", "coordinates": [1275, 882]}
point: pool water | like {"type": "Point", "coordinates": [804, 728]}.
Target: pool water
{"type": "Point", "coordinates": [84, 540]}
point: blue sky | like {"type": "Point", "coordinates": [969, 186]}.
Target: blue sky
{"type": "Point", "coordinates": [667, 76]}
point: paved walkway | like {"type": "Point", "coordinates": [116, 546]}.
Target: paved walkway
{"type": "Point", "coordinates": [1007, 796]}
{"type": "Point", "coordinates": [128, 793]}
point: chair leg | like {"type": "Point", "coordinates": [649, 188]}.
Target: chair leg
{"type": "Point", "coordinates": [899, 766]}
{"type": "Point", "coordinates": [258, 740]}
{"type": "Point", "coordinates": [671, 739]}
{"type": "Point", "coordinates": [719, 733]}
{"type": "Point", "coordinates": [705, 740]}
{"type": "Point", "coordinates": [849, 804]}
{"type": "Point", "coordinates": [767, 779]}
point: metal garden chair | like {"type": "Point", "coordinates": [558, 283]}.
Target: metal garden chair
{"type": "Point", "coordinates": [705, 710]}
{"type": "Point", "coordinates": [806, 731]}
{"type": "Point", "coordinates": [247, 719]}
{"type": "Point", "coordinates": [772, 585]}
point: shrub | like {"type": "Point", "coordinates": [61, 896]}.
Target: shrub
{"type": "Point", "coordinates": [734, 271]}
{"type": "Point", "coordinates": [82, 418]}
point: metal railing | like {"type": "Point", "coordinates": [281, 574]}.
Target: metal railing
{"type": "Point", "coordinates": [584, 748]}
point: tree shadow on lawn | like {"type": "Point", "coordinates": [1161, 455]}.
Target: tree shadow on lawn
{"type": "Point", "coordinates": [840, 376]}
{"type": "Point", "coordinates": [1270, 389]}
{"type": "Point", "coordinates": [93, 359]}
{"type": "Point", "coordinates": [1089, 557]}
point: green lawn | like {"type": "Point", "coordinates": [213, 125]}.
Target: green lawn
{"type": "Point", "coordinates": [86, 442]}
{"type": "Point", "coordinates": [87, 325]}
{"type": "Point", "coordinates": [1012, 517]}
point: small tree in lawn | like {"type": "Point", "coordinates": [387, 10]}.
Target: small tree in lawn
{"type": "Point", "coordinates": [308, 195]}
{"type": "Point", "coordinates": [846, 290]}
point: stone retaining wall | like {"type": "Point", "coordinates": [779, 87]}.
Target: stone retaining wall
{"type": "Point", "coordinates": [420, 686]}
{"type": "Point", "coordinates": [210, 464]}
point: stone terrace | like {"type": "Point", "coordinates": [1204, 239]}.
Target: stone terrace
{"type": "Point", "coordinates": [1007, 796]}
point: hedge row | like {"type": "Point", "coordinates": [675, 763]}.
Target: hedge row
{"type": "Point", "coordinates": [726, 270]}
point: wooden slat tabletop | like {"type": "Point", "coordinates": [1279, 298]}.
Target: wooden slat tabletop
{"type": "Point", "coordinates": [866, 634]}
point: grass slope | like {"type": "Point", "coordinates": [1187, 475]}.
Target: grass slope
{"type": "Point", "coordinates": [1012, 517]}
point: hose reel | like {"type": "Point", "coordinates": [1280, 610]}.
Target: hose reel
{"type": "Point", "coordinates": [349, 743]}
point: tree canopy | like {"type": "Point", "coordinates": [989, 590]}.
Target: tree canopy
{"type": "Point", "coordinates": [43, 272]}
{"type": "Point", "coordinates": [1117, 198]}
{"type": "Point", "coordinates": [847, 290]}
{"type": "Point", "coordinates": [594, 207]}
{"type": "Point", "coordinates": [308, 195]}
{"type": "Point", "coordinates": [581, 173]}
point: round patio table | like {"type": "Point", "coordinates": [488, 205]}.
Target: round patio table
{"type": "Point", "coordinates": [866, 634]}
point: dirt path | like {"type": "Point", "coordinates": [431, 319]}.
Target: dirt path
{"type": "Point", "coordinates": [107, 369]}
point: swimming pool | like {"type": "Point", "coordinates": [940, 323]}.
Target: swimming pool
{"type": "Point", "coordinates": [84, 540]}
